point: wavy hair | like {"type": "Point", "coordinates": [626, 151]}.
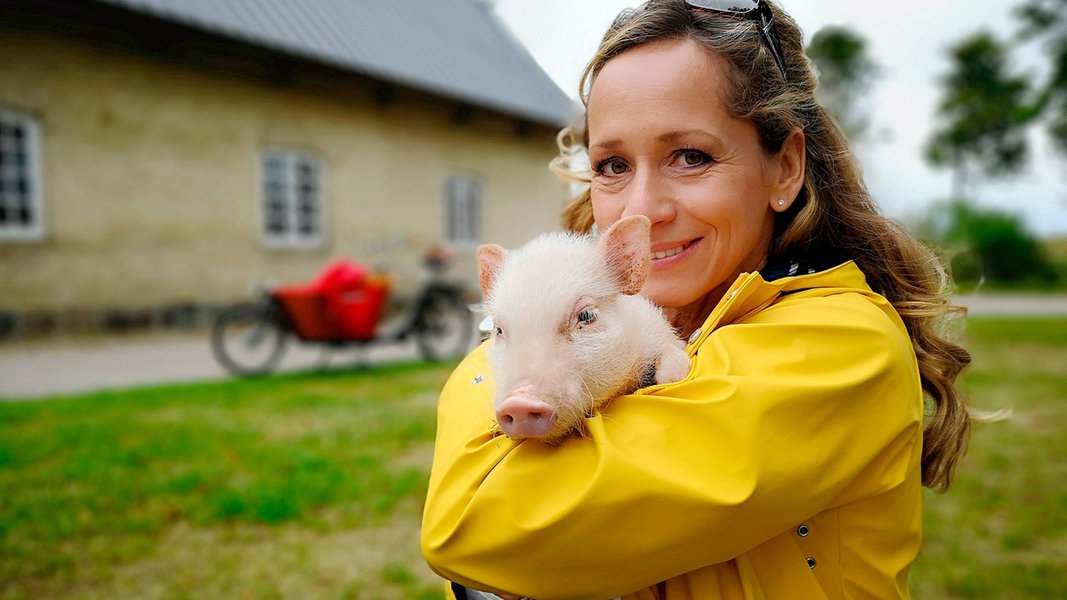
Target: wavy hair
{"type": "Point", "coordinates": [833, 211]}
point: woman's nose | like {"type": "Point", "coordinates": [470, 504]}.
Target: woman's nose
{"type": "Point", "coordinates": [649, 195]}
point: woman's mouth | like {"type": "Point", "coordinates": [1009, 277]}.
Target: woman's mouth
{"type": "Point", "coordinates": [658, 255]}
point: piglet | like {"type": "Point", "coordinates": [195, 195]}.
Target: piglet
{"type": "Point", "coordinates": [570, 330]}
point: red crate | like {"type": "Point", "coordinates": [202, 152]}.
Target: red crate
{"type": "Point", "coordinates": [306, 309]}
{"type": "Point", "coordinates": [343, 314]}
{"type": "Point", "coordinates": [358, 311]}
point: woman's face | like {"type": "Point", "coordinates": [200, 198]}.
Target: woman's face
{"type": "Point", "coordinates": [662, 144]}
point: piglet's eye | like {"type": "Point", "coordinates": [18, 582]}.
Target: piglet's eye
{"type": "Point", "coordinates": [586, 317]}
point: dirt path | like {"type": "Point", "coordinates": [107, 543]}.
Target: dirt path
{"type": "Point", "coordinates": [40, 368]}
{"type": "Point", "coordinates": [37, 368]}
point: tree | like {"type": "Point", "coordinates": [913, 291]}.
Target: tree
{"type": "Point", "coordinates": [984, 115]}
{"type": "Point", "coordinates": [990, 246]}
{"type": "Point", "coordinates": [1046, 22]}
{"type": "Point", "coordinates": [846, 73]}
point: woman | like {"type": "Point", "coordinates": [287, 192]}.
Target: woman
{"type": "Point", "coordinates": [789, 462]}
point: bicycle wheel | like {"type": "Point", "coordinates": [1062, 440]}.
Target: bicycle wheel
{"type": "Point", "coordinates": [248, 339]}
{"type": "Point", "coordinates": [446, 326]}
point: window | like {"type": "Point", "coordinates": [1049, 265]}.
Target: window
{"type": "Point", "coordinates": [463, 210]}
{"type": "Point", "coordinates": [292, 199]}
{"type": "Point", "coordinates": [21, 201]}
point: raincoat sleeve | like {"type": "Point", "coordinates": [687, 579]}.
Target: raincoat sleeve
{"type": "Point", "coordinates": [809, 404]}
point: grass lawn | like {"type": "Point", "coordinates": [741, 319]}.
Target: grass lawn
{"type": "Point", "coordinates": [310, 486]}
{"type": "Point", "coordinates": [306, 486]}
{"type": "Point", "coordinates": [1000, 532]}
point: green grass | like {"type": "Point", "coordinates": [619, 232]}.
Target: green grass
{"type": "Point", "coordinates": [310, 486]}
{"type": "Point", "coordinates": [1000, 532]}
{"type": "Point", "coordinates": [297, 486]}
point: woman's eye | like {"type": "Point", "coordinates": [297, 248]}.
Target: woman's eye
{"type": "Point", "coordinates": [611, 167]}
{"type": "Point", "coordinates": [586, 317]}
{"type": "Point", "coordinates": [694, 158]}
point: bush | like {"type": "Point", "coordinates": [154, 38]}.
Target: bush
{"type": "Point", "coordinates": [992, 247]}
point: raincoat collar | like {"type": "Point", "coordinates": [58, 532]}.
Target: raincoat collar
{"type": "Point", "coordinates": [753, 292]}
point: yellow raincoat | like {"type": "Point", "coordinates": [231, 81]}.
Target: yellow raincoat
{"type": "Point", "coordinates": [785, 466]}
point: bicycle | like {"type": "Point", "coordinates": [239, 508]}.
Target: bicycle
{"type": "Point", "coordinates": [249, 339]}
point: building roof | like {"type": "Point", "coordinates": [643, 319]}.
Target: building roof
{"type": "Point", "coordinates": [456, 49]}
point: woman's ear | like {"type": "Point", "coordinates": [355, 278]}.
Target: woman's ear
{"type": "Point", "coordinates": [790, 173]}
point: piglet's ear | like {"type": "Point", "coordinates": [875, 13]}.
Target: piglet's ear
{"type": "Point", "coordinates": [490, 258]}
{"type": "Point", "coordinates": [626, 248]}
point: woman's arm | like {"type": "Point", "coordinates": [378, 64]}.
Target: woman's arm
{"type": "Point", "coordinates": [810, 404]}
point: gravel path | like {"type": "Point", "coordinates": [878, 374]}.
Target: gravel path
{"type": "Point", "coordinates": [37, 368]}
{"type": "Point", "coordinates": [40, 368]}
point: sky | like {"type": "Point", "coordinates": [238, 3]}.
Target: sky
{"type": "Point", "coordinates": [908, 39]}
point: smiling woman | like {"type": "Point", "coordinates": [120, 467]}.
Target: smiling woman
{"type": "Point", "coordinates": [663, 144]}
{"type": "Point", "coordinates": [907, 40]}
{"type": "Point", "coordinates": [820, 396]}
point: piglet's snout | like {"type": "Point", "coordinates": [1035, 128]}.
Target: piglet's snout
{"type": "Point", "coordinates": [522, 416]}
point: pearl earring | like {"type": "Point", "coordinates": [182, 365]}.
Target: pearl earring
{"type": "Point", "coordinates": [781, 203]}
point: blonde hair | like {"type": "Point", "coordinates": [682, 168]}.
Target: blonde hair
{"type": "Point", "coordinates": [833, 212]}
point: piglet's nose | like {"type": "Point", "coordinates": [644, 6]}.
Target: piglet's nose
{"type": "Point", "coordinates": [521, 417]}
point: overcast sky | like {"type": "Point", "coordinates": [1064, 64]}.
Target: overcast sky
{"type": "Point", "coordinates": [909, 41]}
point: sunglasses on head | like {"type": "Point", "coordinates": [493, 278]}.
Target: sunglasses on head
{"type": "Point", "coordinates": [748, 10]}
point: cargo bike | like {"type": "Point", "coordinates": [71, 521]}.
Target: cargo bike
{"type": "Point", "coordinates": [342, 308]}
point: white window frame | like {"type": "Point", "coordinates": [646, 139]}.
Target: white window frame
{"type": "Point", "coordinates": [283, 195]}
{"type": "Point", "coordinates": [463, 210]}
{"type": "Point", "coordinates": [26, 176]}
